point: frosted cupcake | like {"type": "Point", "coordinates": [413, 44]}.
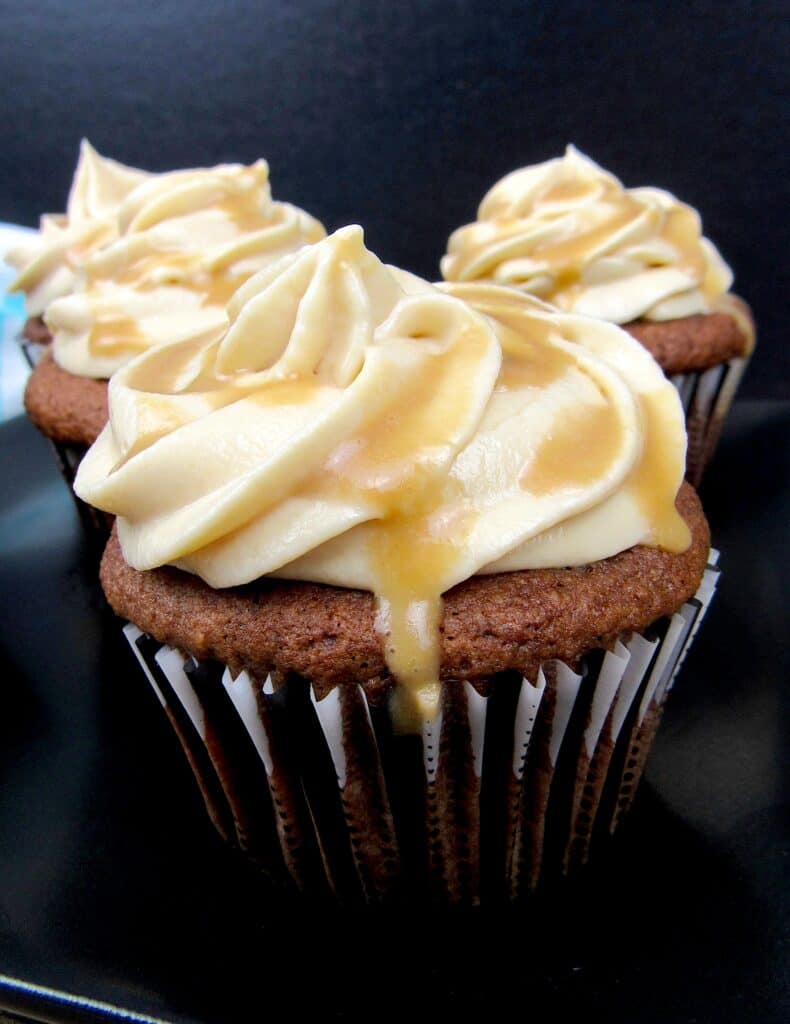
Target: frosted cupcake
{"type": "Point", "coordinates": [411, 636]}
{"type": "Point", "coordinates": [568, 232]}
{"type": "Point", "coordinates": [139, 260]}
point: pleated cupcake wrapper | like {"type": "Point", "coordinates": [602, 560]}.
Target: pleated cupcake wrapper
{"type": "Point", "coordinates": [97, 524]}
{"type": "Point", "coordinates": [33, 351]}
{"type": "Point", "coordinates": [500, 793]}
{"type": "Point", "coordinates": [706, 399]}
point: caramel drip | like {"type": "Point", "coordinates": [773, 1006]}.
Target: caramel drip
{"type": "Point", "coordinates": [577, 452]}
{"type": "Point", "coordinates": [112, 336]}
{"type": "Point", "coordinates": [412, 566]}
{"type": "Point", "coordinates": [412, 552]}
{"type": "Point", "coordinates": [156, 419]}
{"type": "Point", "coordinates": [572, 252]}
{"type": "Point", "coordinates": [652, 481]}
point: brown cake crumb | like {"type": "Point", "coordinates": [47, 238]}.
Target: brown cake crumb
{"type": "Point", "coordinates": [66, 408]}
{"type": "Point", "coordinates": [692, 343]}
{"type": "Point", "coordinates": [508, 621]}
{"type": "Point", "coordinates": [36, 330]}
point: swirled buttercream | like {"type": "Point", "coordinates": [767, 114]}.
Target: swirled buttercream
{"type": "Point", "coordinates": [186, 241]}
{"type": "Point", "coordinates": [356, 426]}
{"type": "Point", "coordinates": [48, 262]}
{"type": "Point", "coordinates": [569, 232]}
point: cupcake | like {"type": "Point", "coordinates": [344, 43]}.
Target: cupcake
{"type": "Point", "coordinates": [411, 575]}
{"type": "Point", "coordinates": [568, 232]}
{"type": "Point", "coordinates": [137, 261]}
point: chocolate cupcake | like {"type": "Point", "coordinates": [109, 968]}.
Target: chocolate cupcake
{"type": "Point", "coordinates": [411, 580]}
{"type": "Point", "coordinates": [139, 259]}
{"type": "Point", "coordinates": [568, 232]}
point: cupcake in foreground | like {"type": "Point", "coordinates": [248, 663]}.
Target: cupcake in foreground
{"type": "Point", "coordinates": [138, 260]}
{"type": "Point", "coordinates": [412, 634]}
{"type": "Point", "coordinates": [568, 232]}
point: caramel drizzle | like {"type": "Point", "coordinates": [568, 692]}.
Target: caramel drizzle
{"type": "Point", "coordinates": [614, 209]}
{"type": "Point", "coordinates": [116, 335]}
{"type": "Point", "coordinates": [412, 562]}
{"type": "Point", "coordinates": [413, 548]}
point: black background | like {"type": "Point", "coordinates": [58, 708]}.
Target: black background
{"type": "Point", "coordinates": [400, 115]}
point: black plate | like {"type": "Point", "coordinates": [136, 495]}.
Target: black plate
{"type": "Point", "coordinates": [115, 890]}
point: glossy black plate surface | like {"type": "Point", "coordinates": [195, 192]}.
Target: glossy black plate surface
{"type": "Point", "coordinates": [114, 888]}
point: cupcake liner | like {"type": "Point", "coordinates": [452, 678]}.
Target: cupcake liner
{"type": "Point", "coordinates": [500, 793]}
{"type": "Point", "coordinates": [33, 351]}
{"type": "Point", "coordinates": [96, 524]}
{"type": "Point", "coordinates": [706, 398]}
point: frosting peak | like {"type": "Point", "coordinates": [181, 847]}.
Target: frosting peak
{"type": "Point", "coordinates": [355, 426]}
{"type": "Point", "coordinates": [312, 313]}
{"type": "Point", "coordinates": [48, 263]}
{"type": "Point", "coordinates": [569, 232]}
{"type": "Point", "coordinates": [187, 240]}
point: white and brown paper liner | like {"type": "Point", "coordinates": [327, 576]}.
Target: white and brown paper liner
{"type": "Point", "coordinates": [706, 399]}
{"type": "Point", "coordinates": [500, 792]}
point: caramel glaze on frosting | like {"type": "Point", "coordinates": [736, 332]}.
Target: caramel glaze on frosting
{"type": "Point", "coordinates": [171, 251]}
{"type": "Point", "coordinates": [570, 233]}
{"type": "Point", "coordinates": [357, 427]}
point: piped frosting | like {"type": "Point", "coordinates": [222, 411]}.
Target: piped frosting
{"type": "Point", "coordinates": [355, 426]}
{"type": "Point", "coordinates": [48, 262]}
{"type": "Point", "coordinates": [568, 232]}
{"type": "Point", "coordinates": [187, 240]}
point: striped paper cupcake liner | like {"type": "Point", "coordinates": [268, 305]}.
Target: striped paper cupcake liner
{"type": "Point", "coordinates": [706, 398]}
{"type": "Point", "coordinates": [500, 793]}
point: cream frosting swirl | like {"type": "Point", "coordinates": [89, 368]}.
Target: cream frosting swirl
{"type": "Point", "coordinates": [186, 240]}
{"type": "Point", "coordinates": [358, 427]}
{"type": "Point", "coordinates": [569, 232]}
{"type": "Point", "coordinates": [48, 262]}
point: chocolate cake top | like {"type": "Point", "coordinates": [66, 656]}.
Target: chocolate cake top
{"type": "Point", "coordinates": [491, 624]}
{"type": "Point", "coordinates": [66, 408]}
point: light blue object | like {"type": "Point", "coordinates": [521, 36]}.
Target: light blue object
{"type": "Point", "coordinates": [13, 365]}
